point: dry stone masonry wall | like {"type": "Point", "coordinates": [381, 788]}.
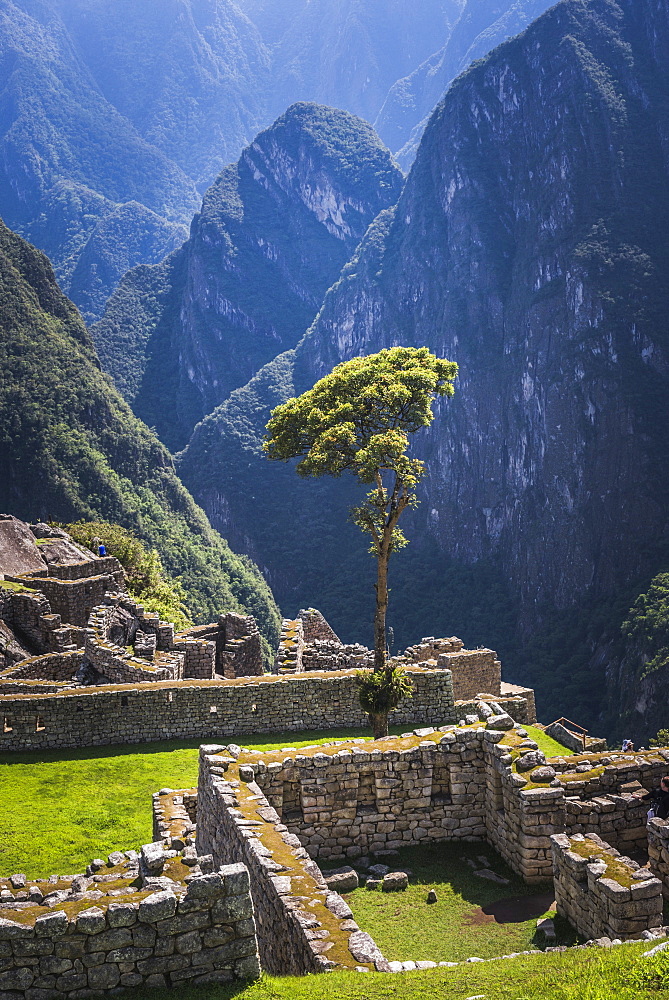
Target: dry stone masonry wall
{"type": "Point", "coordinates": [190, 709]}
{"type": "Point", "coordinates": [158, 919]}
{"type": "Point", "coordinates": [309, 643]}
{"type": "Point", "coordinates": [123, 651]}
{"type": "Point", "coordinates": [600, 893]}
{"type": "Point", "coordinates": [658, 851]}
{"type": "Point", "coordinates": [302, 925]}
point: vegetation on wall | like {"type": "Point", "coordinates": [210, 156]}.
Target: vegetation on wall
{"type": "Point", "coordinates": [648, 625]}
{"type": "Point", "coordinates": [145, 575]}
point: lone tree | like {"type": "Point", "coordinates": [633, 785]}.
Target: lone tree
{"type": "Point", "coordinates": [358, 419]}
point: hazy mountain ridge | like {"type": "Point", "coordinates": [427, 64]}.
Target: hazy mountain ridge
{"type": "Point", "coordinates": [410, 101]}
{"type": "Point", "coordinates": [114, 116]}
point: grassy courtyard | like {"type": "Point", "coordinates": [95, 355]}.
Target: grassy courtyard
{"type": "Point", "coordinates": [472, 916]}
{"type": "Point", "coordinates": [62, 808]}
{"type": "Point", "coordinates": [590, 974]}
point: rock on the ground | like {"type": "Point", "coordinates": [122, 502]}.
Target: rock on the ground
{"type": "Point", "coordinates": [500, 722]}
{"type": "Point", "coordinates": [491, 876]}
{"type": "Point", "coordinates": [378, 871]}
{"type": "Point", "coordinates": [342, 880]}
{"type": "Point", "coordinates": [395, 882]}
{"type": "Point", "coordinates": [541, 774]}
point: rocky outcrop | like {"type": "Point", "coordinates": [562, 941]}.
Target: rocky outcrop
{"type": "Point", "coordinates": [274, 231]}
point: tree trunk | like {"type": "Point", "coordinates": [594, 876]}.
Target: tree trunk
{"type": "Point", "coordinates": [381, 609]}
{"type": "Point", "coordinates": [379, 723]}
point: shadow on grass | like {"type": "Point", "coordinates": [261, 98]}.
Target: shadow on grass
{"type": "Point", "coordinates": [450, 863]}
{"type": "Point", "coordinates": [516, 909]}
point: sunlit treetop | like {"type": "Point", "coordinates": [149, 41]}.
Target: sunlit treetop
{"type": "Point", "coordinates": [358, 417]}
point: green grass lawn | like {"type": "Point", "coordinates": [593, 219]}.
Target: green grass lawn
{"type": "Point", "coordinates": [472, 916]}
{"type": "Point", "coordinates": [546, 743]}
{"type": "Point", "coordinates": [590, 974]}
{"type": "Point", "coordinates": [62, 808]}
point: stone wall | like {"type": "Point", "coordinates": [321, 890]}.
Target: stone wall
{"type": "Point", "coordinates": [68, 938]}
{"type": "Point", "coordinates": [365, 799]}
{"type": "Point", "coordinates": [573, 740]}
{"type": "Point", "coordinates": [236, 648]}
{"type": "Point", "coordinates": [115, 662]}
{"type": "Point", "coordinates": [431, 648]}
{"type": "Point", "coordinates": [600, 893]}
{"type": "Point", "coordinates": [484, 780]}
{"type": "Point", "coordinates": [474, 672]}
{"type": "Point", "coordinates": [520, 709]}
{"type": "Point", "coordinates": [291, 644]}
{"type": "Point", "coordinates": [199, 657]}
{"type": "Point", "coordinates": [658, 850]}
{"type": "Point", "coordinates": [74, 590]}
{"type": "Point", "coordinates": [302, 926]}
{"type": "Point", "coordinates": [97, 716]}
{"type": "Point", "coordinates": [26, 614]}
{"type": "Point", "coordinates": [51, 666]}
{"type": "Point", "coordinates": [518, 691]}
{"type": "Point", "coordinates": [315, 627]}
{"type": "Point", "coordinates": [320, 650]}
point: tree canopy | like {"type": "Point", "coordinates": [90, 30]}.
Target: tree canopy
{"type": "Point", "coordinates": [358, 417]}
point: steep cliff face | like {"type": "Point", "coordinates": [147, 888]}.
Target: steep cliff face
{"type": "Point", "coordinates": [527, 246]}
{"type": "Point", "coordinates": [70, 448]}
{"type": "Point", "coordinates": [273, 234]}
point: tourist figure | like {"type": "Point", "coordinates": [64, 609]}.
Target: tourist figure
{"type": "Point", "coordinates": [627, 745]}
{"type": "Point", "coordinates": [102, 551]}
{"type": "Point", "coordinates": [659, 799]}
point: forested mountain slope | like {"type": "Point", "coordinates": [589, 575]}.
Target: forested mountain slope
{"type": "Point", "coordinates": [529, 245]}
{"type": "Point", "coordinates": [71, 449]}
{"type": "Point", "coordinates": [274, 232]}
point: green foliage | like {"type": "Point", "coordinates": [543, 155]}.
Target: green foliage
{"type": "Point", "coordinates": [145, 575]}
{"type": "Point", "coordinates": [661, 739]}
{"type": "Point", "coordinates": [358, 419]}
{"type": "Point", "coordinates": [71, 450]}
{"type": "Point", "coordinates": [380, 691]}
{"type": "Point", "coordinates": [648, 624]}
